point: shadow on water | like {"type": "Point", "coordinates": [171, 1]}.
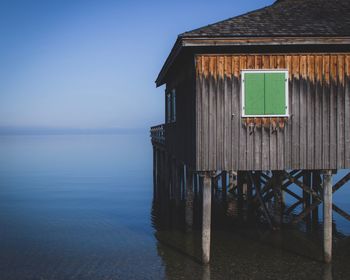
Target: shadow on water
{"type": "Point", "coordinates": [242, 246]}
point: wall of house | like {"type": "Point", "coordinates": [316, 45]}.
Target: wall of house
{"type": "Point", "coordinates": [315, 136]}
{"type": "Point", "coordinates": [181, 135]}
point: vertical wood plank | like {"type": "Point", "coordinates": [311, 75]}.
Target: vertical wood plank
{"type": "Point", "coordinates": [212, 112]}
{"type": "Point", "coordinates": [347, 112]}
{"type": "Point", "coordinates": [296, 112]}
{"type": "Point", "coordinates": [288, 126]}
{"type": "Point", "coordinates": [228, 114]}
{"type": "Point", "coordinates": [310, 101]}
{"type": "Point", "coordinates": [220, 113]}
{"type": "Point", "coordinates": [236, 110]}
{"type": "Point", "coordinates": [318, 111]}
{"type": "Point", "coordinates": [205, 115]}
{"type": "Point", "coordinates": [340, 113]}
{"type": "Point", "coordinates": [243, 130]}
{"type": "Point", "coordinates": [325, 112]}
{"type": "Point", "coordinates": [333, 135]}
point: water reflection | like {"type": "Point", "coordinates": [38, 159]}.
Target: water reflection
{"type": "Point", "coordinates": [242, 245]}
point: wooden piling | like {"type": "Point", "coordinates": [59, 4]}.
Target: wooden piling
{"type": "Point", "coordinates": [166, 175]}
{"type": "Point", "coordinates": [230, 182]}
{"type": "Point", "coordinates": [154, 171]}
{"type": "Point", "coordinates": [177, 183]}
{"type": "Point", "coordinates": [195, 185]}
{"type": "Point", "coordinates": [277, 189]}
{"type": "Point", "coordinates": [224, 184]}
{"type": "Point", "coordinates": [306, 195]}
{"type": "Point", "coordinates": [327, 216]}
{"type": "Point", "coordinates": [240, 182]}
{"type": "Point", "coordinates": [316, 182]}
{"type": "Point", "coordinates": [189, 199]}
{"type": "Point", "coordinates": [206, 221]}
{"type": "Point", "coordinates": [157, 185]}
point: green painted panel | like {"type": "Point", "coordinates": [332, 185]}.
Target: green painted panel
{"type": "Point", "coordinates": [275, 98]}
{"type": "Point", "coordinates": [254, 93]}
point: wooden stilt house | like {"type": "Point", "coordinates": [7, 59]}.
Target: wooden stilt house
{"type": "Point", "coordinates": [264, 96]}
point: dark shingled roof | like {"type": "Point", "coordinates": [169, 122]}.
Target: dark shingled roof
{"type": "Point", "coordinates": [285, 18]}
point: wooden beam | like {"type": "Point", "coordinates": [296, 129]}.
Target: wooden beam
{"type": "Point", "coordinates": [306, 212]}
{"type": "Point", "coordinates": [341, 212]}
{"type": "Point", "coordinates": [266, 187]}
{"type": "Point", "coordinates": [295, 176]}
{"type": "Point", "coordinates": [341, 182]}
{"type": "Point", "coordinates": [292, 194]}
{"type": "Point", "coordinates": [292, 207]}
{"type": "Point", "coordinates": [256, 183]}
{"type": "Point", "coordinates": [302, 186]}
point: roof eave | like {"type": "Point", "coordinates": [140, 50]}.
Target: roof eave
{"type": "Point", "coordinates": [265, 41]}
{"type": "Point", "coordinates": [203, 41]}
{"type": "Point", "coordinates": [169, 61]}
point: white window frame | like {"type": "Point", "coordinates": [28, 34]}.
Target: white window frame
{"type": "Point", "coordinates": [264, 71]}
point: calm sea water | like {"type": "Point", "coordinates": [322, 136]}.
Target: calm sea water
{"type": "Point", "coordinates": [81, 207]}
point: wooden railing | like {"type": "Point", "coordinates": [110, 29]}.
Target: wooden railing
{"type": "Point", "coordinates": [158, 134]}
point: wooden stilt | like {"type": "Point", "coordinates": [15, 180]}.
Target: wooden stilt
{"type": "Point", "coordinates": [240, 182]}
{"type": "Point", "coordinates": [200, 187]}
{"type": "Point", "coordinates": [212, 187]}
{"type": "Point", "coordinates": [206, 221]}
{"type": "Point", "coordinates": [327, 216]}
{"type": "Point", "coordinates": [154, 172]}
{"type": "Point", "coordinates": [183, 181]}
{"type": "Point", "coordinates": [316, 182]}
{"type": "Point", "coordinates": [177, 183]}
{"type": "Point", "coordinates": [230, 182]}
{"type": "Point", "coordinates": [224, 184]}
{"type": "Point", "coordinates": [195, 185]}
{"type": "Point", "coordinates": [306, 196]}
{"type": "Point", "coordinates": [166, 175]}
{"type": "Point", "coordinates": [189, 198]}
{"type": "Point", "coordinates": [161, 173]}
{"type": "Point", "coordinates": [157, 173]}
{"type": "Point", "coordinates": [277, 189]}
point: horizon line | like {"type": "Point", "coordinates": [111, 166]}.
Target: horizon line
{"type": "Point", "coordinates": [46, 130]}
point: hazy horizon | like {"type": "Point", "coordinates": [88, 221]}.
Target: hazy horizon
{"type": "Point", "coordinates": [58, 130]}
{"type": "Point", "coordinates": [93, 64]}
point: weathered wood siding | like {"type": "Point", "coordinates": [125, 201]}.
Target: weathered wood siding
{"type": "Point", "coordinates": [316, 136]}
{"type": "Point", "coordinates": [180, 136]}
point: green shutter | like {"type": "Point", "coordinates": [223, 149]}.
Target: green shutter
{"type": "Point", "coordinates": [254, 94]}
{"type": "Point", "coordinates": [275, 98]}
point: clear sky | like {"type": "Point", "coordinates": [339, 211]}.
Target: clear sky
{"type": "Point", "coordinates": [92, 64]}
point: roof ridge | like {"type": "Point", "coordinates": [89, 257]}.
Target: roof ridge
{"type": "Point", "coordinates": [283, 18]}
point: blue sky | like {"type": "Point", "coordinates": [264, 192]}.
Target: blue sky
{"type": "Point", "coordinates": [92, 64]}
